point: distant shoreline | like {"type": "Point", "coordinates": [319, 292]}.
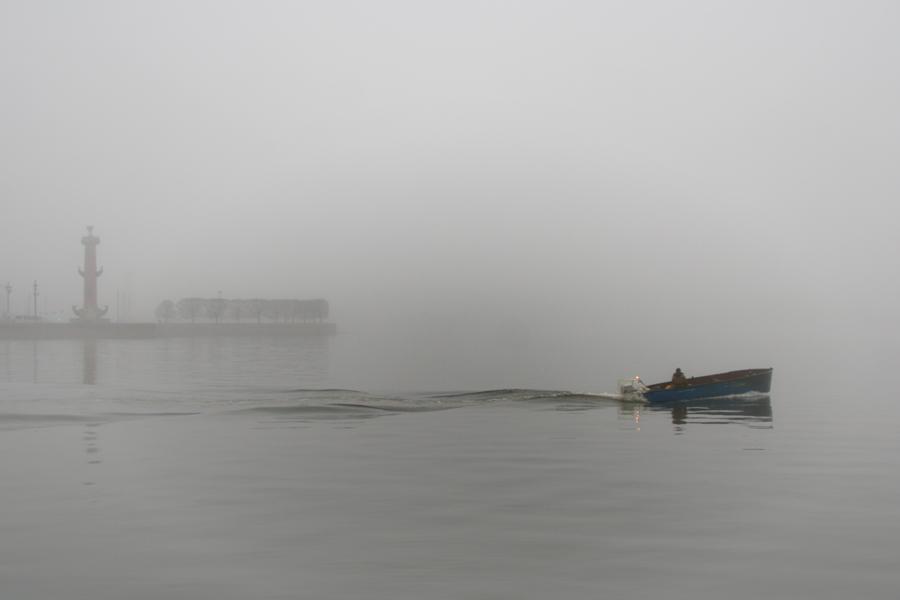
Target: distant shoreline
{"type": "Point", "coordinates": [89, 331]}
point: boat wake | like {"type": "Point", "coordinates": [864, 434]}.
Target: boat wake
{"type": "Point", "coordinates": [302, 405]}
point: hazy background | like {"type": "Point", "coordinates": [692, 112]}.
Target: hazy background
{"type": "Point", "coordinates": [488, 194]}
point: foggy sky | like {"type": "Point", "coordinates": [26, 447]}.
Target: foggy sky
{"type": "Point", "coordinates": [572, 178]}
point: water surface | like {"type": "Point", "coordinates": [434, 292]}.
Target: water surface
{"type": "Point", "coordinates": [243, 468]}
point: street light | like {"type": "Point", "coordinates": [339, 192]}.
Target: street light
{"type": "Point", "coordinates": [8, 289]}
{"type": "Point", "coordinates": [35, 300]}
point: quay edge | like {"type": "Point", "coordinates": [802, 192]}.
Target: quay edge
{"type": "Point", "coordinates": [96, 331]}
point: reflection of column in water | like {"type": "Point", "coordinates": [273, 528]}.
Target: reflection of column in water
{"type": "Point", "coordinates": [7, 362]}
{"type": "Point", "coordinates": [34, 345]}
{"type": "Point", "coordinates": [90, 362]}
{"type": "Point", "coordinates": [90, 439]}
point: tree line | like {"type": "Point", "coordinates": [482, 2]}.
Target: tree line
{"type": "Point", "coordinates": [216, 309]}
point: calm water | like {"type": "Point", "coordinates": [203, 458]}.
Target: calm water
{"type": "Point", "coordinates": [235, 469]}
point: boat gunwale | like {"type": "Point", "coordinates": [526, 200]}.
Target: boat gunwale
{"type": "Point", "coordinates": [714, 378]}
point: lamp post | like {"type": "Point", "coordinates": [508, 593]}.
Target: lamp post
{"type": "Point", "coordinates": [8, 289]}
{"type": "Point", "coordinates": [35, 300]}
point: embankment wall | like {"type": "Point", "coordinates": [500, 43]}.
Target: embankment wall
{"type": "Point", "coordinates": [80, 331]}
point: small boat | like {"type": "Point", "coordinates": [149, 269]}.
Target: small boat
{"type": "Point", "coordinates": [708, 386]}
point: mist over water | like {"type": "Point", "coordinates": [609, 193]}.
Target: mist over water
{"type": "Point", "coordinates": [631, 174]}
{"type": "Point", "coordinates": [228, 467]}
{"type": "Point", "coordinates": [508, 207]}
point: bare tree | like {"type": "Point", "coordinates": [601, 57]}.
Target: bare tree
{"type": "Point", "coordinates": [304, 310]}
{"type": "Point", "coordinates": [299, 311]}
{"type": "Point", "coordinates": [278, 309]}
{"type": "Point", "coordinates": [312, 310]}
{"type": "Point", "coordinates": [219, 308]}
{"type": "Point", "coordinates": [237, 309]}
{"type": "Point", "coordinates": [321, 309]}
{"type": "Point", "coordinates": [166, 310]}
{"type": "Point", "coordinates": [257, 307]}
{"type": "Point", "coordinates": [291, 310]}
{"type": "Point", "coordinates": [190, 308]}
{"type": "Point", "coordinates": [215, 308]}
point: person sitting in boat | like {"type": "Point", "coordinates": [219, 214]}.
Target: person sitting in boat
{"type": "Point", "coordinates": [678, 378]}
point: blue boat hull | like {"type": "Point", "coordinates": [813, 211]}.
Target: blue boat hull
{"type": "Point", "coordinates": [713, 386]}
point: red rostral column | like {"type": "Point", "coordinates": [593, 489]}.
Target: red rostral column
{"type": "Point", "coordinates": [90, 311]}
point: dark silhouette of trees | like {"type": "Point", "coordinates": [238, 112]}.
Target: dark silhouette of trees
{"type": "Point", "coordinates": [257, 307]}
{"type": "Point", "coordinates": [166, 310]}
{"type": "Point", "coordinates": [190, 308]}
{"type": "Point", "coordinates": [215, 308]}
{"type": "Point", "coordinates": [237, 309]}
{"type": "Point", "coordinates": [321, 309]}
{"type": "Point", "coordinates": [312, 310]}
{"type": "Point", "coordinates": [279, 311]}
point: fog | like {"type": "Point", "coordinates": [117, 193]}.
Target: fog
{"type": "Point", "coordinates": [504, 193]}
